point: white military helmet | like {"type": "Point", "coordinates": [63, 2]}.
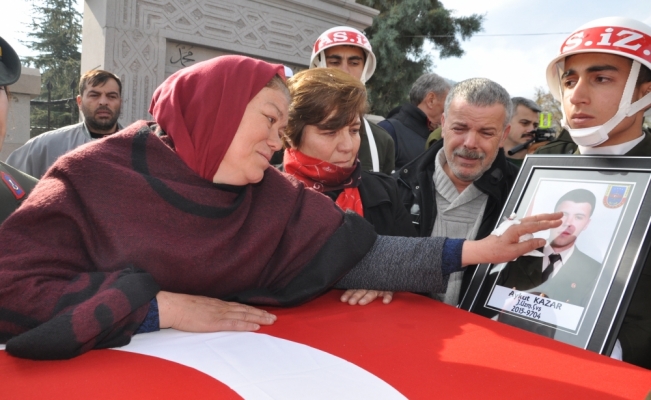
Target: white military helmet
{"type": "Point", "coordinates": [339, 36]}
{"type": "Point", "coordinates": [624, 37]}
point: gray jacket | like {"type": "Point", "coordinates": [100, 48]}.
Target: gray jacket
{"type": "Point", "coordinates": [39, 153]}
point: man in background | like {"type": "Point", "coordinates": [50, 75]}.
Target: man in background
{"type": "Point", "coordinates": [99, 101]}
{"type": "Point", "coordinates": [411, 126]}
{"type": "Point", "coordinates": [526, 118]}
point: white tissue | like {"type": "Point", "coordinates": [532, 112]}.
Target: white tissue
{"type": "Point", "coordinates": [506, 224]}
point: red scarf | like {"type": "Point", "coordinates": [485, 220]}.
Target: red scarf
{"type": "Point", "coordinates": [325, 177]}
{"type": "Point", "coordinates": [200, 107]}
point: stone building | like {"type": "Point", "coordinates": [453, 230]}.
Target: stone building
{"type": "Point", "coordinates": [145, 41]}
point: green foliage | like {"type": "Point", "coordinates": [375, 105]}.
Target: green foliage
{"type": "Point", "coordinates": [398, 34]}
{"type": "Point", "coordinates": [55, 33]}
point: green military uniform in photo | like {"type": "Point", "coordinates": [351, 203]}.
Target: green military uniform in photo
{"type": "Point", "coordinates": [14, 185]}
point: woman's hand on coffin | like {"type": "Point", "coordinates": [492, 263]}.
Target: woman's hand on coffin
{"type": "Point", "coordinates": [204, 314]}
{"type": "Point", "coordinates": [363, 296]}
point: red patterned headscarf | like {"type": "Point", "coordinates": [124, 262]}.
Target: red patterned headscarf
{"type": "Point", "coordinates": [201, 107]}
{"type": "Point", "coordinates": [325, 177]}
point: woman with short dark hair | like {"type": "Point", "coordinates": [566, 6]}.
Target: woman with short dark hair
{"type": "Point", "coordinates": [322, 141]}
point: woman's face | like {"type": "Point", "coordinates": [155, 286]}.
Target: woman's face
{"type": "Point", "coordinates": [256, 139]}
{"type": "Point", "coordinates": [4, 108]}
{"type": "Point", "coordinates": [338, 147]}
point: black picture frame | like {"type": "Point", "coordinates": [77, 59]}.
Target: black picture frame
{"type": "Point", "coordinates": [626, 233]}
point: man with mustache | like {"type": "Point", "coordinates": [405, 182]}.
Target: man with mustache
{"type": "Point", "coordinates": [99, 101]}
{"type": "Point", "coordinates": [458, 186]}
{"type": "Point", "coordinates": [526, 117]}
{"type": "Point", "coordinates": [564, 273]}
{"type": "Point", "coordinates": [602, 77]}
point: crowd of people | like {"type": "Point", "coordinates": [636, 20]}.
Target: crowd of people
{"type": "Point", "coordinates": [182, 222]}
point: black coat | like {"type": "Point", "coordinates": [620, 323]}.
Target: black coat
{"type": "Point", "coordinates": [416, 190]}
{"type": "Point", "coordinates": [382, 206]}
{"type": "Point", "coordinates": [409, 130]}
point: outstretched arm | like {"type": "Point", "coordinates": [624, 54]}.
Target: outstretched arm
{"type": "Point", "coordinates": [422, 264]}
{"type": "Point", "coordinates": [507, 247]}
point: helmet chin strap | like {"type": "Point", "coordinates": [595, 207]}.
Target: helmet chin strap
{"type": "Point", "coordinates": [596, 135]}
{"type": "Point", "coordinates": [320, 60]}
{"type": "Point", "coordinates": [363, 77]}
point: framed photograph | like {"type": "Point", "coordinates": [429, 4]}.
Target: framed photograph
{"type": "Point", "coordinates": [576, 288]}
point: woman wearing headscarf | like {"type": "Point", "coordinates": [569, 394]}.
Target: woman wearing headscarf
{"type": "Point", "coordinates": [322, 141]}
{"type": "Point", "coordinates": [174, 223]}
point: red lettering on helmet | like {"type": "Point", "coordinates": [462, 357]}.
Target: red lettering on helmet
{"type": "Point", "coordinates": [629, 37]}
{"type": "Point", "coordinates": [572, 42]}
{"type": "Point", "coordinates": [616, 39]}
{"type": "Point", "coordinates": [321, 43]}
{"type": "Point", "coordinates": [340, 36]}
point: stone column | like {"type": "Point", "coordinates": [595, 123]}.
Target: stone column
{"type": "Point", "coordinates": [27, 88]}
{"type": "Point", "coordinates": [144, 41]}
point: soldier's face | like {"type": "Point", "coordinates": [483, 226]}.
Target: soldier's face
{"type": "Point", "coordinates": [576, 218]}
{"type": "Point", "coordinates": [593, 84]}
{"type": "Point", "coordinates": [349, 59]}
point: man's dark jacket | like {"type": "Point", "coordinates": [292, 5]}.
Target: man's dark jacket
{"type": "Point", "coordinates": [635, 333]}
{"type": "Point", "coordinates": [416, 189]}
{"type": "Point", "coordinates": [409, 130]}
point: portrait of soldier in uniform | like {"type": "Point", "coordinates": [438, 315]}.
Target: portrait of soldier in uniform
{"type": "Point", "coordinates": [564, 272]}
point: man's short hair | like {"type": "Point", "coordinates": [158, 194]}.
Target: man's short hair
{"type": "Point", "coordinates": [97, 77]}
{"type": "Point", "coordinates": [530, 104]}
{"type": "Point", "coordinates": [643, 76]}
{"type": "Point", "coordinates": [425, 84]}
{"type": "Point", "coordinates": [481, 92]}
{"type": "Point", "coordinates": [578, 196]}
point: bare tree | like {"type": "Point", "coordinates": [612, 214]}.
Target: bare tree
{"type": "Point", "coordinates": [549, 104]}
